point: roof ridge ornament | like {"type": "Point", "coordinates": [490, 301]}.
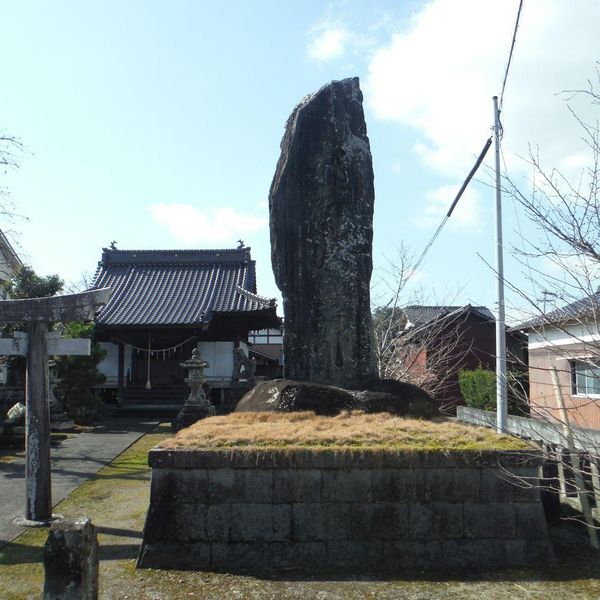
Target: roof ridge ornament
{"type": "Point", "coordinates": [256, 297]}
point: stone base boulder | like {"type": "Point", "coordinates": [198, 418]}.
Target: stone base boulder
{"type": "Point", "coordinates": [386, 395]}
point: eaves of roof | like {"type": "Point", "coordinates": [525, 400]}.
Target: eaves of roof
{"type": "Point", "coordinates": [426, 316]}
{"type": "Point", "coordinates": [177, 288]}
{"type": "Point", "coordinates": [584, 307]}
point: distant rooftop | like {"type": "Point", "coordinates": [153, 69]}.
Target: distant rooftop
{"type": "Point", "coordinates": [578, 309]}
{"type": "Point", "coordinates": [418, 315]}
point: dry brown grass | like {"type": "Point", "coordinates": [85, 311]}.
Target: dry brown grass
{"type": "Point", "coordinates": [355, 430]}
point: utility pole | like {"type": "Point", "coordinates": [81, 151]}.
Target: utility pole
{"type": "Point", "coordinates": [501, 392]}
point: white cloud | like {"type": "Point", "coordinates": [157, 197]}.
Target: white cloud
{"type": "Point", "coordinates": [467, 213]}
{"type": "Point", "coordinates": [569, 267]}
{"type": "Point", "coordinates": [212, 225]}
{"type": "Point", "coordinates": [578, 160]}
{"type": "Point", "coordinates": [328, 42]}
{"type": "Point", "coordinates": [440, 73]}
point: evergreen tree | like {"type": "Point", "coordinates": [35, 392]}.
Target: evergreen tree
{"type": "Point", "coordinates": [26, 284]}
{"type": "Point", "coordinates": [80, 373]}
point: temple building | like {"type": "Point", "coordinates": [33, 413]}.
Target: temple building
{"type": "Point", "coordinates": [165, 302]}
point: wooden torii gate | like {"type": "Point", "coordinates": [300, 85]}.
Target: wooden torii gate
{"type": "Point", "coordinates": [37, 345]}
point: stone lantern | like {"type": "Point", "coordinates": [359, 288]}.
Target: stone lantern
{"type": "Point", "coordinates": [197, 406]}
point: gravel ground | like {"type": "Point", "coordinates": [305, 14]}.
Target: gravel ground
{"type": "Point", "coordinates": [116, 500]}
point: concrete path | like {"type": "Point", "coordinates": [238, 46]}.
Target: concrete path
{"type": "Point", "coordinates": [74, 460]}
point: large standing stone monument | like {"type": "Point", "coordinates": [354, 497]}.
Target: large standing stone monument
{"type": "Point", "coordinates": [321, 207]}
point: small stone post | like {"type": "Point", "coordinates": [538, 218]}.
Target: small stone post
{"type": "Point", "coordinates": [71, 561]}
{"type": "Point", "coordinates": [197, 406]}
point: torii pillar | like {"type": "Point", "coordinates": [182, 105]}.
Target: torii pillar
{"type": "Point", "coordinates": [37, 313]}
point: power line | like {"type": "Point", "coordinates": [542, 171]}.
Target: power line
{"type": "Point", "coordinates": [481, 155]}
{"type": "Point", "coordinates": [472, 172]}
{"type": "Point", "coordinates": [463, 187]}
{"type": "Point", "coordinates": [512, 47]}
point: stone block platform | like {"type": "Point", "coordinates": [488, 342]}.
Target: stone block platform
{"type": "Point", "coordinates": [234, 510]}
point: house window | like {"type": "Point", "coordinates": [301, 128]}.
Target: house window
{"type": "Point", "coordinates": [266, 336]}
{"type": "Point", "coordinates": [585, 378]}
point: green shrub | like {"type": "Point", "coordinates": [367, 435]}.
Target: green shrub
{"type": "Point", "coordinates": [478, 388]}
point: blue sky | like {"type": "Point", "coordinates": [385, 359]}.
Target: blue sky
{"type": "Point", "coordinates": [157, 124]}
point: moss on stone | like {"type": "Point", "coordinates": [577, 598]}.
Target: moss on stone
{"type": "Point", "coordinates": [119, 517]}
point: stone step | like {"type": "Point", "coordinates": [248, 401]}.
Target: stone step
{"type": "Point", "coordinates": [148, 410]}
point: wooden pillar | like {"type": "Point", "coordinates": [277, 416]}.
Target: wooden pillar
{"type": "Point", "coordinates": [120, 373]}
{"type": "Point", "coordinates": [562, 484]}
{"type": "Point", "coordinates": [39, 495]}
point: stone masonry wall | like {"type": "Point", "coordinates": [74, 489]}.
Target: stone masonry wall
{"type": "Point", "coordinates": [217, 510]}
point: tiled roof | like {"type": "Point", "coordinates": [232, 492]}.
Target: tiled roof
{"type": "Point", "coordinates": [421, 315]}
{"type": "Point", "coordinates": [177, 287]}
{"type": "Point", "coordinates": [579, 308]}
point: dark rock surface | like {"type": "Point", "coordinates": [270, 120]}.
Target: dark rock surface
{"type": "Point", "coordinates": [321, 218]}
{"type": "Point", "coordinates": [71, 561]}
{"type": "Point", "coordinates": [284, 395]}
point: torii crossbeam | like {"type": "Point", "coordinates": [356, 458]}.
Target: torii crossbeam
{"type": "Point", "coordinates": [37, 313]}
